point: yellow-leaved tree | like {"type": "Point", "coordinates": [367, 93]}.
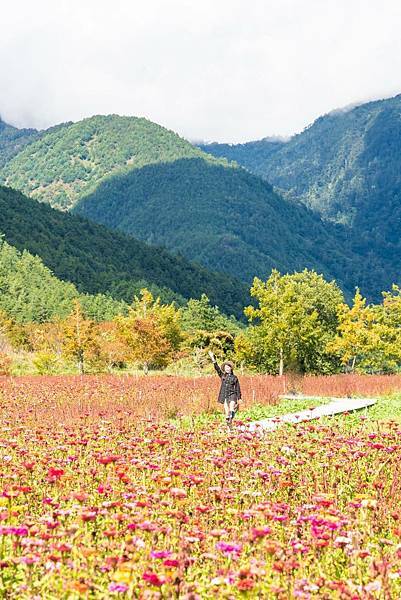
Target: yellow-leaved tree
{"type": "Point", "coordinates": [151, 331]}
{"type": "Point", "coordinates": [359, 340]}
{"type": "Point", "coordinates": [78, 337]}
{"type": "Point", "coordinates": [390, 327]}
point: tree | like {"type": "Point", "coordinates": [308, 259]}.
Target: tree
{"type": "Point", "coordinates": [200, 315]}
{"type": "Point", "coordinates": [358, 342]}
{"type": "Point", "coordinates": [151, 330]}
{"type": "Point", "coordinates": [295, 318]}
{"type": "Point", "coordinates": [113, 351]}
{"type": "Point", "coordinates": [79, 339]}
{"type": "Point", "coordinates": [389, 317]}
{"type": "Point", "coordinates": [206, 328]}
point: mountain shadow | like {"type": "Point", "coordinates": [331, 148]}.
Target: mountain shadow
{"type": "Point", "coordinates": [99, 260]}
{"type": "Point", "coordinates": [229, 220]}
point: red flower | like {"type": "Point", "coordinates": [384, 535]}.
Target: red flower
{"type": "Point", "coordinates": [153, 578]}
{"type": "Point", "coordinates": [54, 474]}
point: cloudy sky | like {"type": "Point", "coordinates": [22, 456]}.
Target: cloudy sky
{"type": "Point", "coordinates": [225, 70]}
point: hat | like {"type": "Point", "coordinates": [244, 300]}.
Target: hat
{"type": "Point", "coordinates": [229, 363]}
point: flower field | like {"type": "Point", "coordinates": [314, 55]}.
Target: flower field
{"type": "Point", "coordinates": [104, 495]}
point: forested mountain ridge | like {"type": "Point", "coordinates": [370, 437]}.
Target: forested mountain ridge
{"type": "Point", "coordinates": [228, 219]}
{"type": "Point", "coordinates": [68, 161]}
{"type": "Point", "coordinates": [29, 291]}
{"type": "Point", "coordinates": [250, 155]}
{"type": "Point", "coordinates": [13, 140]}
{"type": "Point", "coordinates": [346, 165]}
{"type": "Point", "coordinates": [136, 176]}
{"type": "Point", "coordinates": [98, 260]}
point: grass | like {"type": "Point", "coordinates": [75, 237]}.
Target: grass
{"type": "Point", "coordinates": [387, 408]}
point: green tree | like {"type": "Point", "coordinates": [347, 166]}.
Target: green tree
{"type": "Point", "coordinates": [389, 316]}
{"type": "Point", "coordinates": [200, 315]}
{"type": "Point", "coordinates": [294, 319]}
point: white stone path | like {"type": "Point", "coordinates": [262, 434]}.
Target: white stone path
{"type": "Point", "coordinates": [335, 407]}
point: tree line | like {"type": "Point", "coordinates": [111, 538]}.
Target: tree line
{"type": "Point", "coordinates": [299, 322]}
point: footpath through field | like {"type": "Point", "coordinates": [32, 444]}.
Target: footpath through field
{"type": "Point", "coordinates": [334, 407]}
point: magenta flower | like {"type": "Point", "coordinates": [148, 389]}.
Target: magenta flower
{"type": "Point", "coordinates": [119, 588]}
{"type": "Point", "coordinates": [153, 578]}
{"type": "Point", "coordinates": [160, 553]}
{"type": "Point", "coordinates": [229, 548]}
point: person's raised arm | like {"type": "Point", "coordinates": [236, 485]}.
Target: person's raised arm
{"type": "Point", "coordinates": [216, 366]}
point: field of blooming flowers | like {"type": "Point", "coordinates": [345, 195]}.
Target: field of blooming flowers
{"type": "Point", "coordinates": [104, 494]}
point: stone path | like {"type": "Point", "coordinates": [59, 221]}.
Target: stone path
{"type": "Point", "coordinates": [335, 407]}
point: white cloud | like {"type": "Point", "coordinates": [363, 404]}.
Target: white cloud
{"type": "Point", "coordinates": [228, 70]}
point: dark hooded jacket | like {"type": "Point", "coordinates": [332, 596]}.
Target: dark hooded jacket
{"type": "Point", "coordinates": [230, 388]}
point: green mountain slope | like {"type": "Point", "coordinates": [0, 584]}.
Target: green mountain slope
{"type": "Point", "coordinates": [230, 220]}
{"type": "Point", "coordinates": [30, 292]}
{"type": "Point", "coordinates": [13, 140]}
{"type": "Point", "coordinates": [251, 155]}
{"type": "Point", "coordinates": [69, 161]}
{"type": "Point", "coordinates": [133, 175]}
{"type": "Point", "coordinates": [346, 166]}
{"type": "Point", "coordinates": [97, 260]}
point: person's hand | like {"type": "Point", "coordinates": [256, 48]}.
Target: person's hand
{"type": "Point", "coordinates": [212, 356]}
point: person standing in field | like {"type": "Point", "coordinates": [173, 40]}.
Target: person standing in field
{"type": "Point", "coordinates": [230, 391]}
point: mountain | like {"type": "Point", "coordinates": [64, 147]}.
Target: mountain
{"type": "Point", "coordinates": [135, 176]}
{"type": "Point", "coordinates": [221, 217]}
{"type": "Point", "coordinates": [13, 140]}
{"type": "Point", "coordinates": [251, 155]}
{"type": "Point", "coordinates": [69, 161]}
{"type": "Point", "coordinates": [346, 166]}
{"type": "Point", "coordinates": [98, 260]}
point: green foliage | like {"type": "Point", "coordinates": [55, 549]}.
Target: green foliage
{"type": "Point", "coordinates": [346, 167]}
{"type": "Point", "coordinates": [251, 155]}
{"type": "Point", "coordinates": [390, 325]}
{"type": "Point", "coordinates": [295, 316]}
{"type": "Point", "coordinates": [30, 292]}
{"type": "Point", "coordinates": [46, 363]}
{"type": "Point", "coordinates": [99, 261]}
{"type": "Point", "coordinates": [69, 161]}
{"type": "Point", "coordinates": [138, 177]}
{"type": "Point", "coordinates": [141, 178]}
{"type": "Point", "coordinates": [13, 140]}
{"type": "Point", "coordinates": [201, 315]}
{"type": "Point", "coordinates": [224, 218]}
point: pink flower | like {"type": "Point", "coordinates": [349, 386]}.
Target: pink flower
{"type": "Point", "coordinates": [160, 553]}
{"type": "Point", "coordinates": [171, 562]}
{"type": "Point", "coordinates": [229, 548]}
{"type": "Point", "coordinates": [178, 493]}
{"type": "Point", "coordinates": [260, 533]}
{"type": "Point", "coordinates": [120, 588]}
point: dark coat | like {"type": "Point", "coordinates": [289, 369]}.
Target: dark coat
{"type": "Point", "coordinates": [230, 388]}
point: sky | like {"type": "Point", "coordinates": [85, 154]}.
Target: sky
{"type": "Point", "coordinates": [213, 70]}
